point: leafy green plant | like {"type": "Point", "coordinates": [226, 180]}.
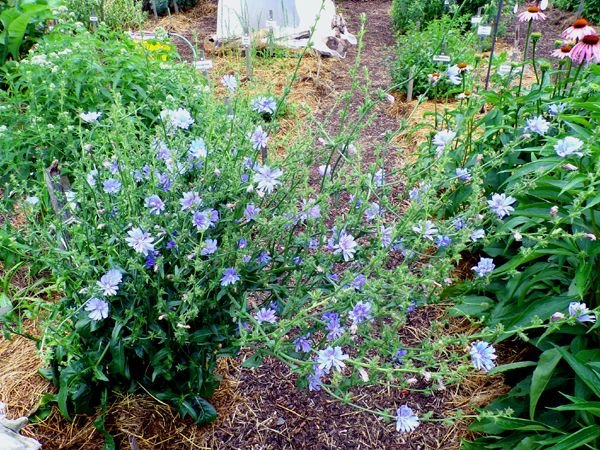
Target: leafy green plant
{"type": "Point", "coordinates": [75, 71]}
{"type": "Point", "coordinates": [533, 161]}
{"type": "Point", "coordinates": [21, 24]}
{"type": "Point", "coordinates": [115, 14]}
{"type": "Point", "coordinates": [407, 14]}
{"type": "Point", "coordinates": [416, 50]}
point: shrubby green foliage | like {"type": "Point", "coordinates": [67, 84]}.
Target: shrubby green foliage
{"type": "Point", "coordinates": [416, 50]}
{"type": "Point", "coordinates": [22, 23]}
{"type": "Point", "coordinates": [408, 15]}
{"type": "Point", "coordinates": [74, 71]}
{"type": "Point", "coordinates": [183, 238]}
{"type": "Point", "coordinates": [178, 244]}
{"type": "Point", "coordinates": [116, 14]}
{"type": "Point", "coordinates": [534, 159]}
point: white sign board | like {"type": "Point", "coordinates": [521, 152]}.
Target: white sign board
{"type": "Point", "coordinates": [204, 64]}
{"type": "Point", "coordinates": [441, 58]}
{"type": "Point", "coordinates": [484, 30]}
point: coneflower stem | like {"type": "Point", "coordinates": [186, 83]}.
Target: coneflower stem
{"type": "Point", "coordinates": [524, 56]}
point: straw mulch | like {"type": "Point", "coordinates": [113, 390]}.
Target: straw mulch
{"type": "Point", "coordinates": [258, 408]}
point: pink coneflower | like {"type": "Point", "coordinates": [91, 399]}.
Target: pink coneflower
{"type": "Point", "coordinates": [463, 67]}
{"type": "Point", "coordinates": [563, 52]}
{"type": "Point", "coordinates": [578, 30]}
{"type": "Point", "coordinates": [587, 50]}
{"type": "Point", "coordinates": [532, 13]}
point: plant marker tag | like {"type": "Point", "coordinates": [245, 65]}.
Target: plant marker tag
{"type": "Point", "coordinates": [441, 58]}
{"type": "Point", "coordinates": [543, 4]}
{"type": "Point", "coordinates": [476, 20]}
{"type": "Point", "coordinates": [484, 30]}
{"type": "Point", "coordinates": [94, 19]}
{"type": "Point", "coordinates": [246, 41]}
{"type": "Point", "coordinates": [516, 8]}
{"type": "Point", "coordinates": [504, 69]}
{"type": "Point", "coordinates": [204, 64]}
{"type": "Point", "coordinates": [270, 24]}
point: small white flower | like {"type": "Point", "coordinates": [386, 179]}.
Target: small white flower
{"type": "Point", "coordinates": [32, 200]}
{"type": "Point", "coordinates": [90, 117]}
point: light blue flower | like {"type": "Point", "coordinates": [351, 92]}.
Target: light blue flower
{"type": "Point", "coordinates": [581, 312]}
{"type": "Point", "coordinates": [427, 229]}
{"type": "Point", "coordinates": [463, 174]}
{"type": "Point", "coordinates": [141, 241]}
{"type": "Point", "coordinates": [267, 179]}
{"type": "Point", "coordinates": [346, 246]}
{"type": "Point", "coordinates": [484, 267]}
{"type": "Point", "coordinates": [259, 138]}
{"type": "Point", "coordinates": [109, 282]}
{"type": "Point", "coordinates": [112, 186]}
{"type": "Point", "coordinates": [210, 247]}
{"type": "Point", "coordinates": [97, 308]}
{"type": "Point", "coordinates": [483, 355]}
{"type": "Point", "coordinates": [155, 204]}
{"type": "Point", "coordinates": [537, 125]}
{"type": "Point", "coordinates": [500, 204]}
{"type": "Point", "coordinates": [264, 105]}
{"type": "Point", "coordinates": [266, 315]}
{"type": "Point", "coordinates": [331, 358]}
{"type": "Point", "coordinates": [406, 420]}
{"type": "Point", "coordinates": [568, 146]}
{"type": "Point", "coordinates": [230, 276]}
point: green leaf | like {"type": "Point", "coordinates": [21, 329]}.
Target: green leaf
{"type": "Point", "coordinates": [206, 412]}
{"type": "Point", "coordinates": [587, 375]}
{"type": "Point", "coordinates": [589, 407]}
{"type": "Point", "coordinates": [513, 366]}
{"type": "Point", "coordinates": [577, 439]}
{"type": "Point", "coordinates": [582, 277]}
{"type": "Point", "coordinates": [541, 376]}
{"type": "Point", "coordinates": [253, 361]}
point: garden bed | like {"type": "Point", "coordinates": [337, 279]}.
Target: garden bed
{"type": "Point", "coordinates": [269, 406]}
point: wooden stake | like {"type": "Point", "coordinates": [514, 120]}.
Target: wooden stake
{"type": "Point", "coordinates": [411, 84]}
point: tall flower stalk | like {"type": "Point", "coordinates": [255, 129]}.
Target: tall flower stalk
{"type": "Point", "coordinates": [524, 55]}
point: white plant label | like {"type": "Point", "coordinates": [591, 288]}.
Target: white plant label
{"type": "Point", "coordinates": [246, 41]}
{"type": "Point", "coordinates": [93, 19]}
{"type": "Point", "coordinates": [204, 64]}
{"type": "Point", "coordinates": [476, 20]}
{"type": "Point", "coordinates": [484, 30]}
{"type": "Point", "coordinates": [441, 58]}
{"type": "Point", "coordinates": [504, 69]}
{"type": "Point", "coordinates": [270, 24]}
{"type": "Point", "coordinates": [543, 4]}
